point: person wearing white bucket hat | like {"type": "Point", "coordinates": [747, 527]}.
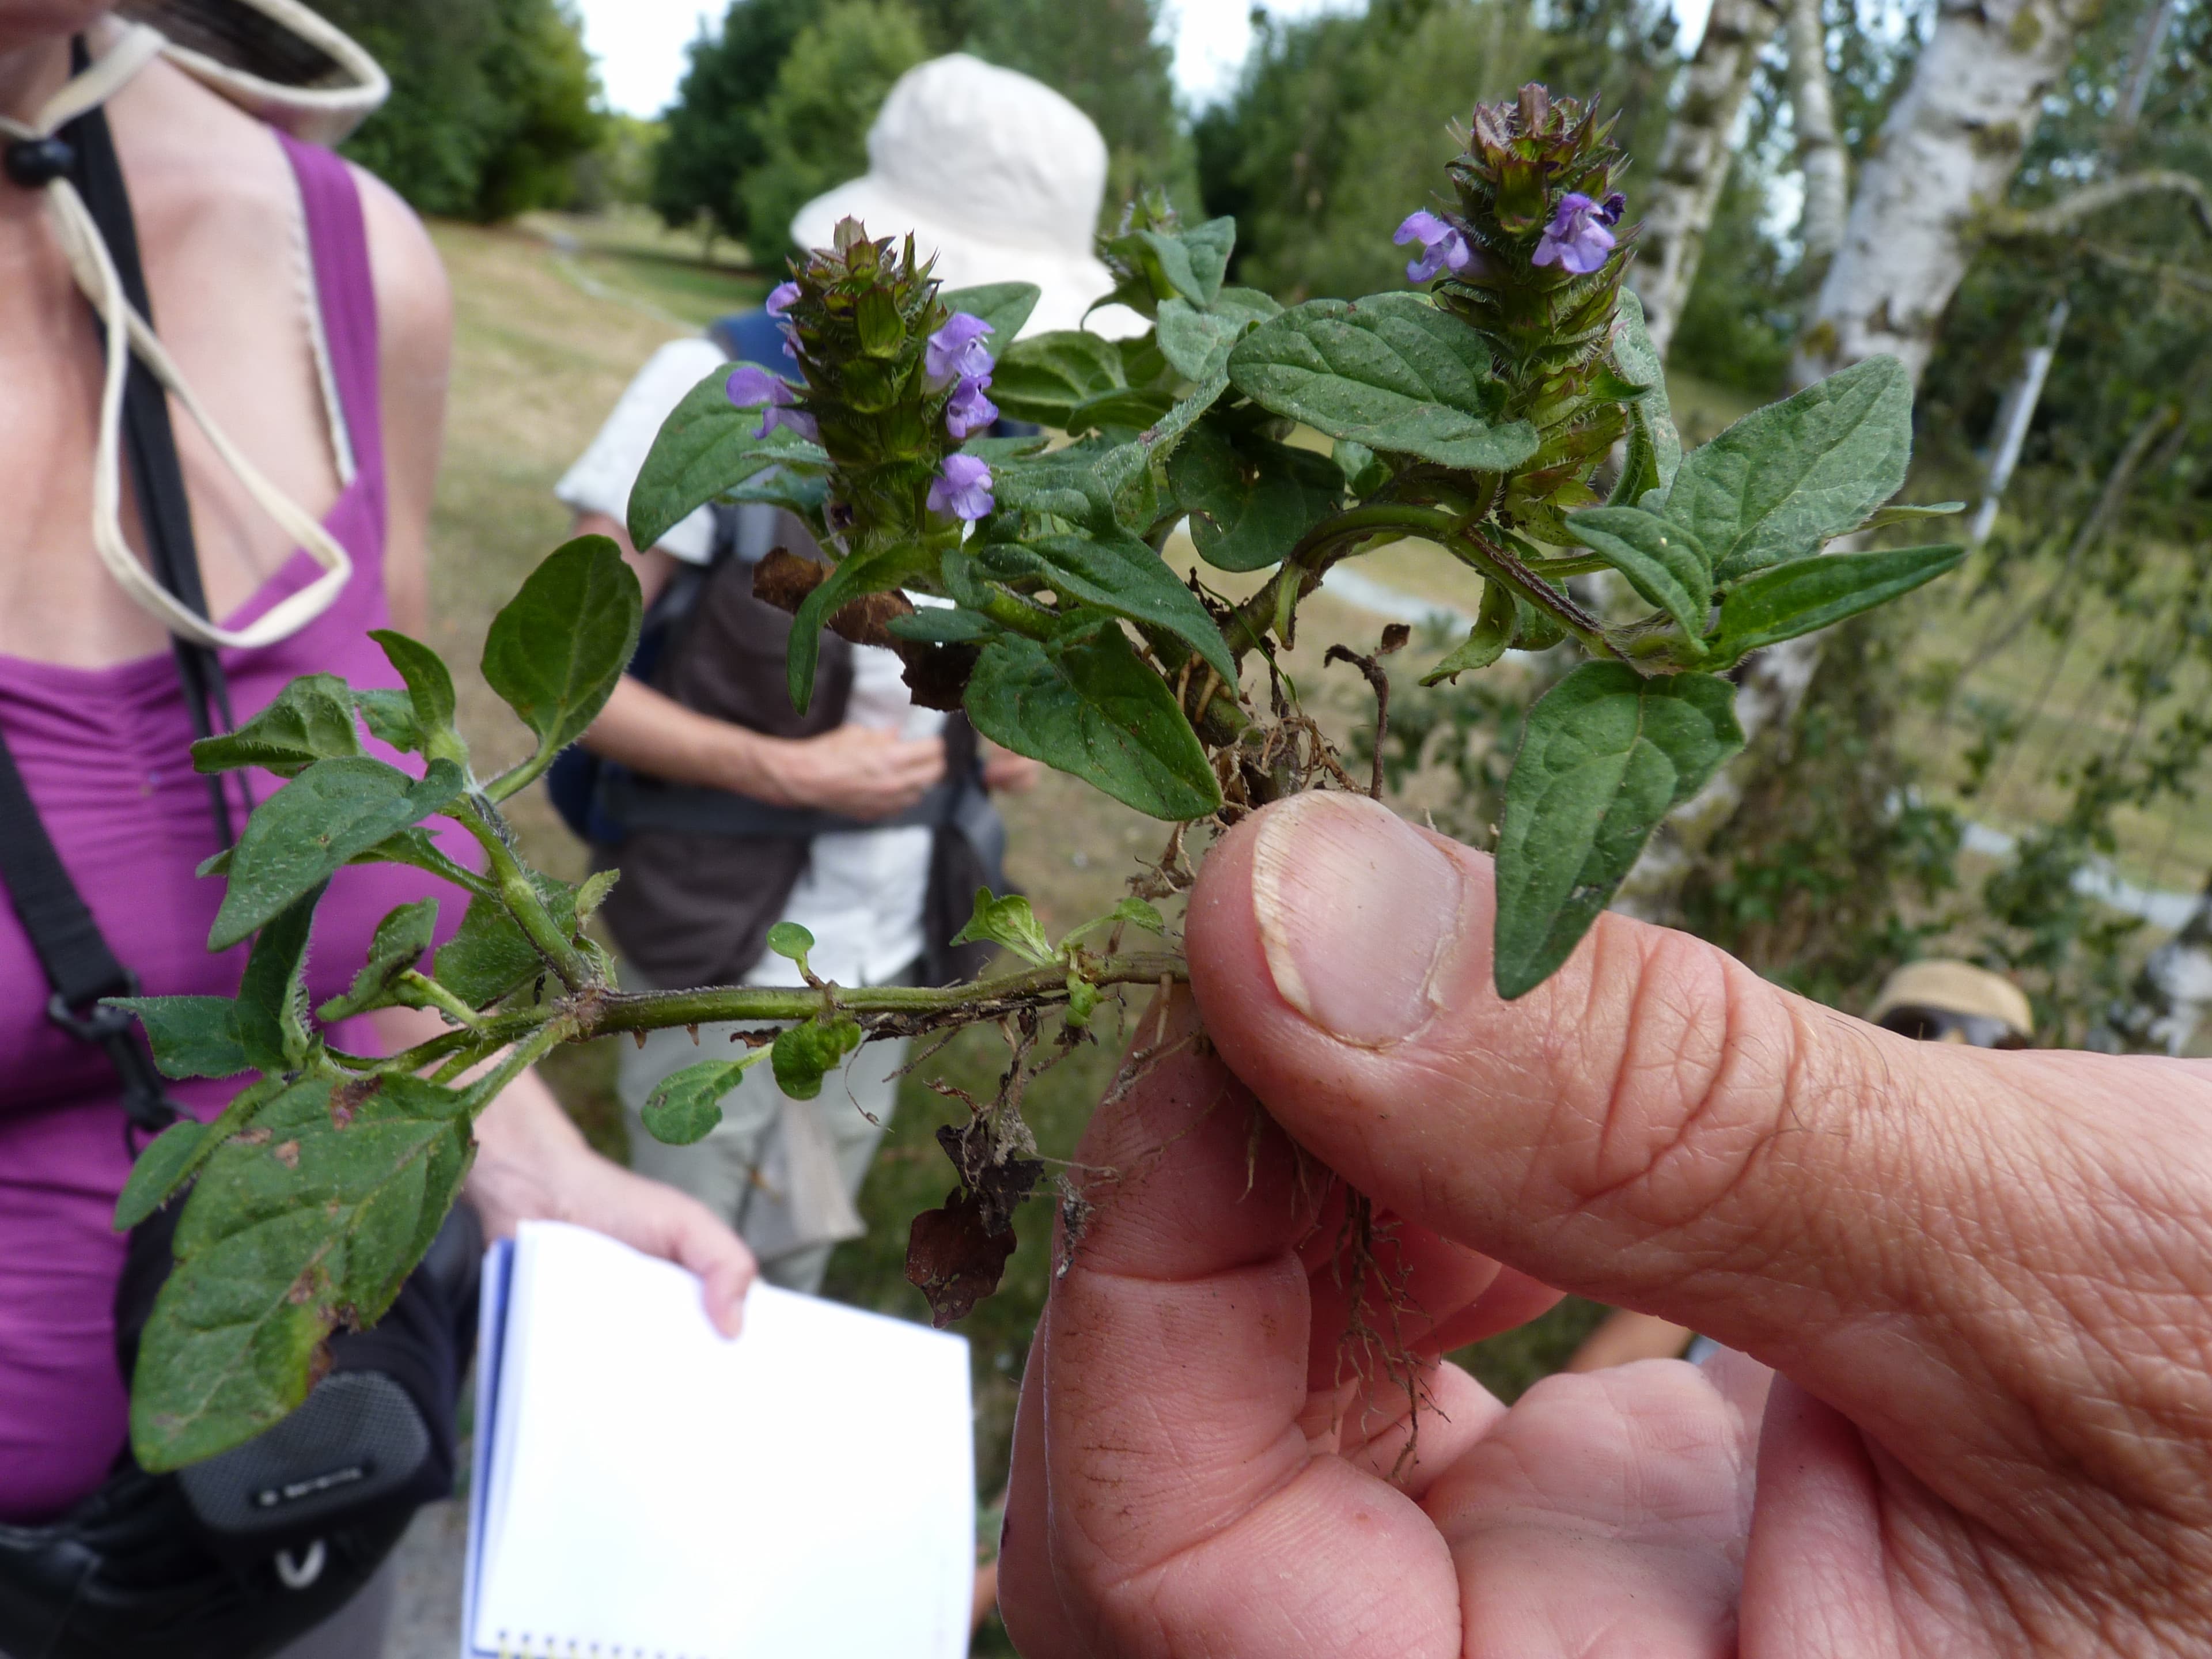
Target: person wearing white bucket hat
{"type": "Point", "coordinates": [165, 576]}
{"type": "Point", "coordinates": [1000, 179]}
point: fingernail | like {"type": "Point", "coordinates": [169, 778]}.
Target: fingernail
{"type": "Point", "coordinates": [1355, 910]}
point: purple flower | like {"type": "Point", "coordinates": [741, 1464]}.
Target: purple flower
{"type": "Point", "coordinates": [1577, 238]}
{"type": "Point", "coordinates": [969, 410]}
{"type": "Point", "coordinates": [962, 489]}
{"type": "Point", "coordinates": [749, 387]}
{"type": "Point", "coordinates": [1442, 245]}
{"type": "Point", "coordinates": [780, 298]}
{"type": "Point", "coordinates": [956, 350]}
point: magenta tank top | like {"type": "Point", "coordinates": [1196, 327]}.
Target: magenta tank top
{"type": "Point", "coordinates": [104, 752]}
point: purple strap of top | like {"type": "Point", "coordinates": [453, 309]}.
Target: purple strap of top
{"type": "Point", "coordinates": [337, 241]}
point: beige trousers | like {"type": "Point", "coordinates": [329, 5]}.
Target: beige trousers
{"type": "Point", "coordinates": [783, 1172]}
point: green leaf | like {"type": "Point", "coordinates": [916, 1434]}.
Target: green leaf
{"type": "Point", "coordinates": [390, 716]}
{"type": "Point", "coordinates": [802, 495]}
{"type": "Point", "coordinates": [1004, 305]}
{"type": "Point", "coordinates": [1364, 472]}
{"type": "Point", "coordinates": [592, 892]}
{"type": "Point", "coordinates": [311, 720]}
{"type": "Point", "coordinates": [1392, 373]}
{"type": "Point", "coordinates": [863, 573]}
{"type": "Point", "coordinates": [168, 1159]}
{"type": "Point", "coordinates": [557, 647]}
{"type": "Point", "coordinates": [1660, 560]}
{"type": "Point", "coordinates": [191, 1036]}
{"type": "Point", "coordinates": [705, 447]}
{"type": "Point", "coordinates": [1194, 260]}
{"type": "Point", "coordinates": [937, 624]}
{"type": "Point", "coordinates": [300, 835]}
{"type": "Point", "coordinates": [1007, 921]}
{"type": "Point", "coordinates": [1251, 498]}
{"type": "Point", "coordinates": [1084, 703]}
{"type": "Point", "coordinates": [997, 452]}
{"type": "Point", "coordinates": [429, 685]}
{"type": "Point", "coordinates": [1804, 595]}
{"type": "Point", "coordinates": [1487, 641]}
{"type": "Point", "coordinates": [1604, 756]}
{"type": "Point", "coordinates": [273, 995]}
{"type": "Point", "coordinates": [1196, 341]}
{"type": "Point", "coordinates": [418, 848]}
{"type": "Point", "coordinates": [1047, 377]}
{"type": "Point", "coordinates": [489, 955]}
{"type": "Point", "coordinates": [1118, 574]}
{"type": "Point", "coordinates": [790, 941]}
{"type": "Point", "coordinates": [685, 1108]}
{"type": "Point", "coordinates": [804, 1054]}
{"type": "Point", "coordinates": [399, 942]}
{"type": "Point", "coordinates": [1896, 514]}
{"type": "Point", "coordinates": [319, 1211]}
{"type": "Point", "coordinates": [1128, 408]}
{"type": "Point", "coordinates": [1786, 478]}
{"type": "Point", "coordinates": [1655, 448]}
{"type": "Point", "coordinates": [1133, 912]}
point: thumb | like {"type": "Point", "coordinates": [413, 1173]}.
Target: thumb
{"type": "Point", "coordinates": [1655, 1126]}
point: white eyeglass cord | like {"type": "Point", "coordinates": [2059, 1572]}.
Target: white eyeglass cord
{"type": "Point", "coordinates": [128, 332]}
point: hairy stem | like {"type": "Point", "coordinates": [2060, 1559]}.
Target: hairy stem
{"type": "Point", "coordinates": [522, 898]}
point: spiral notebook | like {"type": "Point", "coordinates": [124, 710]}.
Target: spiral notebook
{"type": "Point", "coordinates": [644, 1489]}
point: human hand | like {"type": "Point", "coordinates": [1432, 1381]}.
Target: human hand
{"type": "Point", "coordinates": [856, 770]}
{"type": "Point", "coordinates": [1006, 773]}
{"type": "Point", "coordinates": [1984, 1279]}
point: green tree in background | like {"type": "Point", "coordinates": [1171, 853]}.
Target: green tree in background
{"type": "Point", "coordinates": [815, 123]}
{"type": "Point", "coordinates": [493, 101]}
{"type": "Point", "coordinates": [714, 134]}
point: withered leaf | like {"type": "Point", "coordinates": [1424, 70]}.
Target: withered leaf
{"type": "Point", "coordinates": [953, 1258]}
{"type": "Point", "coordinates": [1000, 1181]}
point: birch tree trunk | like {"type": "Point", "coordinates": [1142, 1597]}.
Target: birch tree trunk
{"type": "Point", "coordinates": [1819, 151]}
{"type": "Point", "coordinates": [1950, 146]}
{"type": "Point", "coordinates": [2168, 1001]}
{"type": "Point", "coordinates": [1694, 161]}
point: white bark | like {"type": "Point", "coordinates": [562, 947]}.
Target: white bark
{"type": "Point", "coordinates": [1949, 148]}
{"type": "Point", "coordinates": [1694, 161]}
{"type": "Point", "coordinates": [2013, 414]}
{"type": "Point", "coordinates": [2168, 1001]}
{"type": "Point", "coordinates": [1819, 151]}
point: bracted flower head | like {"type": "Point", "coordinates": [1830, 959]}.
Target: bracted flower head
{"type": "Point", "coordinates": [749, 387]}
{"type": "Point", "coordinates": [968, 411]}
{"type": "Point", "coordinates": [962, 489]}
{"type": "Point", "coordinates": [957, 352]}
{"type": "Point", "coordinates": [1579, 239]}
{"type": "Point", "coordinates": [1443, 246]}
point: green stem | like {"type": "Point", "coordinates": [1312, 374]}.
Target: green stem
{"type": "Point", "coordinates": [522, 899]}
{"type": "Point", "coordinates": [431, 995]}
{"type": "Point", "coordinates": [1028, 620]}
{"type": "Point", "coordinates": [520, 1059]}
{"type": "Point", "coordinates": [1500, 564]}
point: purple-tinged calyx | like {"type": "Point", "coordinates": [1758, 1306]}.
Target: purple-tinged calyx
{"type": "Point", "coordinates": [968, 410]}
{"type": "Point", "coordinates": [1580, 239]}
{"type": "Point", "coordinates": [957, 352]}
{"type": "Point", "coordinates": [749, 387]}
{"type": "Point", "coordinates": [1443, 246]}
{"type": "Point", "coordinates": [962, 489]}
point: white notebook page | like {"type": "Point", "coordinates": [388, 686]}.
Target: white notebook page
{"type": "Point", "coordinates": [654, 1490]}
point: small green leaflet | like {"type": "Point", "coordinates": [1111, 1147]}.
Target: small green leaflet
{"type": "Point", "coordinates": [490, 956]}
{"type": "Point", "coordinates": [1004, 305]}
{"type": "Point", "coordinates": [1786, 600]}
{"type": "Point", "coordinates": [790, 941]}
{"type": "Point", "coordinates": [936, 624]}
{"type": "Point", "coordinates": [1605, 755]}
{"type": "Point", "coordinates": [1196, 341]}
{"type": "Point", "coordinates": [272, 998]}
{"type": "Point", "coordinates": [1655, 448]}
{"type": "Point", "coordinates": [1392, 373]}
{"type": "Point", "coordinates": [191, 1036]}
{"type": "Point", "coordinates": [399, 942]}
{"type": "Point", "coordinates": [556, 648]}
{"type": "Point", "coordinates": [1251, 498]}
{"type": "Point", "coordinates": [311, 720]}
{"type": "Point", "coordinates": [1487, 642]}
{"type": "Point", "coordinates": [390, 717]}
{"type": "Point", "coordinates": [1048, 377]}
{"type": "Point", "coordinates": [804, 1054]}
{"type": "Point", "coordinates": [1660, 560]}
{"type": "Point", "coordinates": [685, 1108]}
{"type": "Point", "coordinates": [161, 1168]}
{"type": "Point", "coordinates": [862, 574]}
{"type": "Point", "coordinates": [1118, 574]}
{"type": "Point", "coordinates": [430, 684]}
{"type": "Point", "coordinates": [1007, 921]}
{"type": "Point", "coordinates": [707, 446]}
{"type": "Point", "coordinates": [1786, 478]}
{"type": "Point", "coordinates": [1082, 703]}
{"type": "Point", "coordinates": [331, 811]}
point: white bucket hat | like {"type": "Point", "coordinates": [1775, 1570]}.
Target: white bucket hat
{"type": "Point", "coordinates": [998, 176]}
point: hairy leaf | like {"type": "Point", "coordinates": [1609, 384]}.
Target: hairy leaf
{"type": "Point", "coordinates": [1118, 574]}
{"type": "Point", "coordinates": [1804, 595]}
{"type": "Point", "coordinates": [311, 720]}
{"type": "Point", "coordinates": [1786, 478]}
{"type": "Point", "coordinates": [705, 447]}
{"type": "Point", "coordinates": [804, 1054]}
{"type": "Point", "coordinates": [399, 942]}
{"type": "Point", "coordinates": [1904, 515]}
{"type": "Point", "coordinates": [191, 1036]}
{"type": "Point", "coordinates": [319, 1213]}
{"type": "Point", "coordinates": [1007, 921]}
{"type": "Point", "coordinates": [1047, 377]}
{"type": "Point", "coordinates": [1487, 642]}
{"type": "Point", "coordinates": [300, 835]}
{"type": "Point", "coordinates": [862, 574]}
{"type": "Point", "coordinates": [1004, 305]}
{"type": "Point", "coordinates": [168, 1159]}
{"type": "Point", "coordinates": [938, 624]}
{"type": "Point", "coordinates": [1251, 498]}
{"type": "Point", "coordinates": [556, 649]}
{"type": "Point", "coordinates": [1660, 560]}
{"type": "Point", "coordinates": [1655, 448]}
{"type": "Point", "coordinates": [489, 955]}
{"type": "Point", "coordinates": [429, 685]}
{"type": "Point", "coordinates": [1196, 341]}
{"type": "Point", "coordinates": [1392, 373]}
{"type": "Point", "coordinates": [1604, 756]}
{"type": "Point", "coordinates": [1084, 703]}
{"type": "Point", "coordinates": [390, 717]}
{"type": "Point", "coordinates": [272, 997]}
{"type": "Point", "coordinates": [685, 1108]}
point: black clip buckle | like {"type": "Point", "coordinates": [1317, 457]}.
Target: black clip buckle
{"type": "Point", "coordinates": [34, 163]}
{"type": "Point", "coordinates": [101, 1024]}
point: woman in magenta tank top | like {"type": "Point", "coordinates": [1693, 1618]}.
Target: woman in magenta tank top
{"type": "Point", "coordinates": [306, 306]}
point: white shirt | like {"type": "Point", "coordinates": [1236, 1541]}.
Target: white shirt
{"type": "Point", "coordinates": [861, 893]}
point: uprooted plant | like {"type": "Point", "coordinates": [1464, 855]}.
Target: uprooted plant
{"type": "Point", "coordinates": [1475, 414]}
